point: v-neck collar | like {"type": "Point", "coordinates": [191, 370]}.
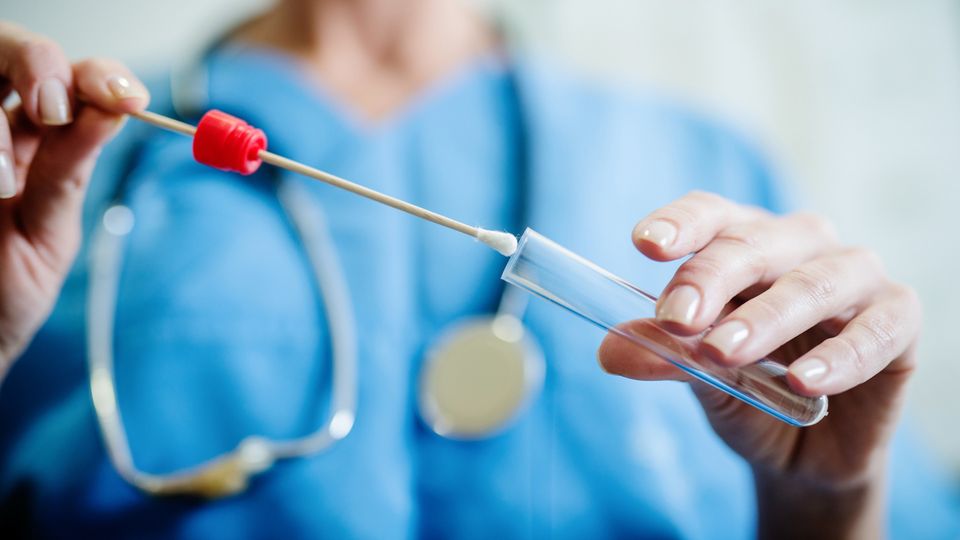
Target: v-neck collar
{"type": "Point", "coordinates": [297, 103]}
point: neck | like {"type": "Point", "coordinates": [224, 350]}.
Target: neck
{"type": "Point", "coordinates": [374, 54]}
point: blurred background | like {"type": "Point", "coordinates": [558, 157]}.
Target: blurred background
{"type": "Point", "coordinates": [857, 101]}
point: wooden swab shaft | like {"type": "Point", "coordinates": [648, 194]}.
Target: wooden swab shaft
{"type": "Point", "coordinates": [311, 172]}
{"type": "Point", "coordinates": [399, 204]}
{"type": "Point", "coordinates": [165, 123]}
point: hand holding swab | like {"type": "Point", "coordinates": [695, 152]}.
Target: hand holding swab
{"type": "Point", "coordinates": [213, 129]}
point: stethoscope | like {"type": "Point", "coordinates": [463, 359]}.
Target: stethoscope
{"type": "Point", "coordinates": [477, 378]}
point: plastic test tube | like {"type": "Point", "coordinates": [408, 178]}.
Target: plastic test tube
{"type": "Point", "coordinates": [547, 269]}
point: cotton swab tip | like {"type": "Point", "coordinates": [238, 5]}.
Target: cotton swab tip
{"type": "Point", "coordinates": [503, 242]}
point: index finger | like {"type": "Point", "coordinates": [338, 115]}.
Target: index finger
{"type": "Point", "coordinates": [688, 224]}
{"type": "Point", "coordinates": [40, 73]}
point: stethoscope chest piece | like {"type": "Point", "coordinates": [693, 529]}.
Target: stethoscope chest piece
{"type": "Point", "coordinates": [479, 376]}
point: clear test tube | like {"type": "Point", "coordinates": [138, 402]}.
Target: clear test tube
{"type": "Point", "coordinates": [547, 269]}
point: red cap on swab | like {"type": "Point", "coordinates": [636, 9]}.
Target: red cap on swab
{"type": "Point", "coordinates": [228, 143]}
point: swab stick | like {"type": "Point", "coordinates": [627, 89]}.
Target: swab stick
{"type": "Point", "coordinates": [229, 143]}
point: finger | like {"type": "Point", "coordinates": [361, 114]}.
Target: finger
{"type": "Point", "coordinates": [815, 291]}
{"type": "Point", "coordinates": [52, 198]}
{"type": "Point", "coordinates": [22, 139]}
{"type": "Point", "coordinates": [868, 345]}
{"type": "Point", "coordinates": [627, 357]}
{"type": "Point", "coordinates": [688, 224]}
{"type": "Point", "coordinates": [40, 73]}
{"type": "Point", "coordinates": [739, 257]}
{"type": "Point", "coordinates": [108, 84]}
{"type": "Point", "coordinates": [8, 176]}
{"type": "Point", "coordinates": [26, 138]}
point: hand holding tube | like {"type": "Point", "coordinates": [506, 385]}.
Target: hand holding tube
{"type": "Point", "coordinates": [784, 286]}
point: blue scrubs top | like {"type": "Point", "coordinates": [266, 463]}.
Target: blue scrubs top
{"type": "Point", "coordinates": [219, 333]}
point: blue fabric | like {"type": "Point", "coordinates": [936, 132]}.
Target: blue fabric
{"type": "Point", "coordinates": [220, 334]}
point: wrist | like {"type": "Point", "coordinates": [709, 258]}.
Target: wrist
{"type": "Point", "coordinates": [791, 507]}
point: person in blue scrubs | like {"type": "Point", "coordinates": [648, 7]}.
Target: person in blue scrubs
{"type": "Point", "coordinates": [218, 335]}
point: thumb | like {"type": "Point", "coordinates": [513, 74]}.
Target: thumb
{"type": "Point", "coordinates": [629, 351]}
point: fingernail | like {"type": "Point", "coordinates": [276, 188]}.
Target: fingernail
{"type": "Point", "coordinates": [54, 103]}
{"type": "Point", "coordinates": [122, 88]}
{"type": "Point", "coordinates": [727, 337]}
{"type": "Point", "coordinates": [810, 370]}
{"type": "Point", "coordinates": [661, 233]}
{"type": "Point", "coordinates": [680, 306]}
{"type": "Point", "coordinates": [8, 179]}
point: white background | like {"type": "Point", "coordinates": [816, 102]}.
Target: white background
{"type": "Point", "coordinates": [859, 101]}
